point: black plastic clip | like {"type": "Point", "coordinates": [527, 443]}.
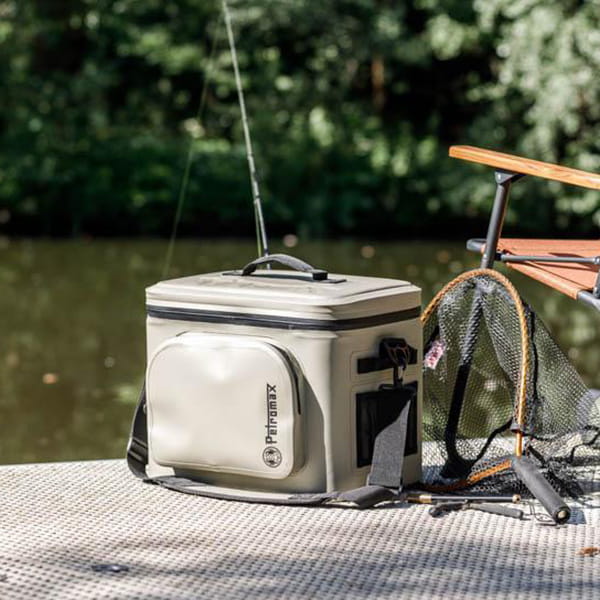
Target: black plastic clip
{"type": "Point", "coordinates": [394, 353]}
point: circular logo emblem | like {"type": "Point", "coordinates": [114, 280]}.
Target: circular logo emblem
{"type": "Point", "coordinates": [272, 456]}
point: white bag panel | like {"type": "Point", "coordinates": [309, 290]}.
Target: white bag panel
{"type": "Point", "coordinates": [223, 403]}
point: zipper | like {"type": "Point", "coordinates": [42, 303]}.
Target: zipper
{"type": "Point", "coordinates": [279, 322]}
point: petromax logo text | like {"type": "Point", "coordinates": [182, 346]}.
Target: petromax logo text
{"type": "Point", "coordinates": [271, 454]}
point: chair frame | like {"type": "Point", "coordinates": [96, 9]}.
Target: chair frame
{"type": "Point", "coordinates": [508, 169]}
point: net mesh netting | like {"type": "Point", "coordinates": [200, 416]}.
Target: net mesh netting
{"type": "Point", "coordinates": [481, 342]}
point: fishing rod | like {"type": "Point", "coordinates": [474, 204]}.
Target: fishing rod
{"type": "Point", "coordinates": [426, 498]}
{"type": "Point", "coordinates": [261, 234]}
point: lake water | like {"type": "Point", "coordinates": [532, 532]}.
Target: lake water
{"type": "Point", "coordinates": [72, 323]}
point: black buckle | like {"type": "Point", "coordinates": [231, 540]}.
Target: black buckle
{"type": "Point", "coordinates": [394, 353]}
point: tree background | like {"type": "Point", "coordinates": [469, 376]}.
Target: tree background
{"type": "Point", "coordinates": [353, 104]}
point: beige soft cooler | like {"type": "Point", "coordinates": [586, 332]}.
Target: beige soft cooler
{"type": "Point", "coordinates": [252, 381]}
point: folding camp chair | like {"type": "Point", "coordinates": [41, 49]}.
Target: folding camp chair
{"type": "Point", "coordinates": [569, 266]}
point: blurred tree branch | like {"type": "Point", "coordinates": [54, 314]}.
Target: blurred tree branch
{"type": "Point", "coordinates": [352, 103]}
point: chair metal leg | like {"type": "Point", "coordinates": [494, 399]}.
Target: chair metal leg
{"type": "Point", "coordinates": [503, 182]}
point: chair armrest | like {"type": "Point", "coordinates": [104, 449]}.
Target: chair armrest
{"type": "Point", "coordinates": [518, 164]}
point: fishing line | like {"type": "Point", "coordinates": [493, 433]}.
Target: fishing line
{"type": "Point", "coordinates": [185, 180]}
{"type": "Point", "coordinates": [261, 234]}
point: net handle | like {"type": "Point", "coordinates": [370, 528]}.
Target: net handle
{"type": "Point", "coordinates": [524, 366]}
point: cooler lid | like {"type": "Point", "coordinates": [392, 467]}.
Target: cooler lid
{"type": "Point", "coordinates": [278, 292]}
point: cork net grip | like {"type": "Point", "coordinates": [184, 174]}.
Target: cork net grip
{"type": "Point", "coordinates": [525, 342]}
{"type": "Point", "coordinates": [526, 166]}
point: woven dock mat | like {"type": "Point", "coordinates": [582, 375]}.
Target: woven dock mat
{"type": "Point", "coordinates": [62, 524]}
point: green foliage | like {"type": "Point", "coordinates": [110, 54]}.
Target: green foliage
{"type": "Point", "coordinates": [353, 104]}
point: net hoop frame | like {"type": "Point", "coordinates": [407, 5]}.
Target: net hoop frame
{"type": "Point", "coordinates": [521, 396]}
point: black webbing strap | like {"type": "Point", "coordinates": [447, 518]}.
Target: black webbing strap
{"type": "Point", "coordinates": [388, 452]}
{"type": "Point", "coordinates": [137, 447]}
{"type": "Point", "coordinates": [363, 497]}
{"type": "Point", "coordinates": [384, 481]}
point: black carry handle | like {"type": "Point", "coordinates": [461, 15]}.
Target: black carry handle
{"type": "Point", "coordinates": [288, 261]}
{"type": "Point", "coordinates": [537, 484]}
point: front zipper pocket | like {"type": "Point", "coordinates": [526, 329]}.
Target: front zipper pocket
{"type": "Point", "coordinates": [224, 403]}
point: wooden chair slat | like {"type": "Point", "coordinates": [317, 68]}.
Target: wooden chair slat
{"type": "Point", "coordinates": [527, 166]}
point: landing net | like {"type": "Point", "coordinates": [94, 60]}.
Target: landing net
{"type": "Point", "coordinates": [497, 385]}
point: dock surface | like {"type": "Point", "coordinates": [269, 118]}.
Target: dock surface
{"type": "Point", "coordinates": [62, 523]}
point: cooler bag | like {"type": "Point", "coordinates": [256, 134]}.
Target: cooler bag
{"type": "Point", "coordinates": [274, 384]}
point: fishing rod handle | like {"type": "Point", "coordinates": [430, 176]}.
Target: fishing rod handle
{"type": "Point", "coordinates": [288, 261]}
{"type": "Point", "coordinates": [495, 509]}
{"type": "Point", "coordinates": [538, 485]}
